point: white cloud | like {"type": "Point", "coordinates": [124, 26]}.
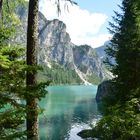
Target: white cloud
{"type": "Point", "coordinates": [94, 41]}
{"type": "Point", "coordinates": [100, 40]}
{"type": "Point", "coordinates": [82, 25]}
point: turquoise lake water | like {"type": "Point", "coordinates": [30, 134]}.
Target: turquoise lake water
{"type": "Point", "coordinates": [68, 110]}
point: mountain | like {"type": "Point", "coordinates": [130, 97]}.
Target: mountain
{"type": "Point", "coordinates": [101, 52]}
{"type": "Point", "coordinates": [59, 56]}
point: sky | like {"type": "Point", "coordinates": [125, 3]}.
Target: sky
{"type": "Point", "coordinates": [86, 22]}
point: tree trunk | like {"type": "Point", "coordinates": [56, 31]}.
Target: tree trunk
{"type": "Point", "coordinates": [32, 44]}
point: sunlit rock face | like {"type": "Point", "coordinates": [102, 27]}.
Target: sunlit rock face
{"type": "Point", "coordinates": [86, 59]}
{"type": "Point", "coordinates": [55, 46]}
{"type": "Point", "coordinates": [55, 41]}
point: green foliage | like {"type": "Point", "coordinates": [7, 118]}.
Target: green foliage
{"type": "Point", "coordinates": [12, 87]}
{"type": "Point", "coordinates": [82, 68]}
{"type": "Point", "coordinates": [12, 78]}
{"type": "Point", "coordinates": [121, 120]}
{"type": "Point", "coordinates": [13, 91]}
{"type": "Point", "coordinates": [125, 49]}
{"type": "Point", "coordinates": [94, 79]}
{"type": "Point", "coordinates": [59, 75]}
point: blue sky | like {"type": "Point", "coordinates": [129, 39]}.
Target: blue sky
{"type": "Point", "coordinates": [101, 6]}
{"type": "Point", "coordinates": [87, 22]}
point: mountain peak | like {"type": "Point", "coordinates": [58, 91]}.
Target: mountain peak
{"type": "Point", "coordinates": [55, 46]}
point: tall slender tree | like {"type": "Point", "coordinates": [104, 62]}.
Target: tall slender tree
{"type": "Point", "coordinates": [31, 81]}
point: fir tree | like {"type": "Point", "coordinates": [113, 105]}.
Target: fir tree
{"type": "Point", "coordinates": [12, 85]}
{"type": "Point", "coordinates": [125, 49]}
{"type": "Point", "coordinates": [121, 118]}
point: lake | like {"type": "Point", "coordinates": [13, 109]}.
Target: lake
{"type": "Point", "coordinates": [67, 110]}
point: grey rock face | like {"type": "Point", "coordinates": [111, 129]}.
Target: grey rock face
{"type": "Point", "coordinates": [87, 61]}
{"type": "Point", "coordinates": [56, 42]}
{"type": "Point", "coordinates": [102, 53]}
{"type": "Point", "coordinates": [101, 50]}
{"type": "Point", "coordinates": [58, 46]}
{"type": "Point", "coordinates": [21, 36]}
{"type": "Point", "coordinates": [55, 46]}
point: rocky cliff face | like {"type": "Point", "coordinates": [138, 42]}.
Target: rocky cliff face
{"type": "Point", "coordinates": [101, 50]}
{"type": "Point", "coordinates": [55, 46]}
{"type": "Point", "coordinates": [87, 61]}
{"type": "Point", "coordinates": [102, 54]}
{"type": "Point", "coordinates": [55, 42]}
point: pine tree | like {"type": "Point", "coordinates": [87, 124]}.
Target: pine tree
{"type": "Point", "coordinates": [122, 111]}
{"type": "Point", "coordinates": [126, 49]}
{"type": "Point", "coordinates": [12, 85]}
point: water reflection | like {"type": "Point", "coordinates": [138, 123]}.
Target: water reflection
{"type": "Point", "coordinates": [68, 109]}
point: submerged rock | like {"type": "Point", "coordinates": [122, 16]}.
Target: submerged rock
{"type": "Point", "coordinates": [88, 134]}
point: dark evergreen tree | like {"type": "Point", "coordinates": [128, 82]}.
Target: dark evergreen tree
{"type": "Point", "coordinates": [124, 121]}
{"type": "Point", "coordinates": [121, 118]}
{"type": "Point", "coordinates": [12, 81]}
{"type": "Point", "coordinates": [126, 43]}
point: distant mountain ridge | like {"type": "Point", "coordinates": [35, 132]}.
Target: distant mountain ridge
{"type": "Point", "coordinates": [55, 46]}
{"type": "Point", "coordinates": [101, 52]}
